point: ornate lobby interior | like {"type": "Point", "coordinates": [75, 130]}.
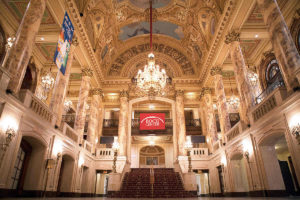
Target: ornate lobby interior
{"type": "Point", "coordinates": [180, 99]}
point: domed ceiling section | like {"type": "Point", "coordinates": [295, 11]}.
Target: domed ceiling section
{"type": "Point", "coordinates": [119, 33]}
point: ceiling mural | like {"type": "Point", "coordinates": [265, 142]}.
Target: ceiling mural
{"type": "Point", "coordinates": [255, 16]}
{"type": "Point", "coordinates": [18, 8]}
{"type": "Point", "coordinates": [179, 57]}
{"type": "Point", "coordinates": [159, 27]}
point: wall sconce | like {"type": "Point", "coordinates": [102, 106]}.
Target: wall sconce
{"type": "Point", "coordinates": [296, 131]}
{"type": "Point", "coordinates": [246, 154]}
{"type": "Point", "coordinates": [10, 134]}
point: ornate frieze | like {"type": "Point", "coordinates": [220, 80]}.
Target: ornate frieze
{"type": "Point", "coordinates": [124, 93]}
{"type": "Point", "coordinates": [175, 54]}
{"type": "Point", "coordinates": [216, 70]}
{"type": "Point", "coordinates": [97, 91]}
{"type": "Point", "coordinates": [179, 93]}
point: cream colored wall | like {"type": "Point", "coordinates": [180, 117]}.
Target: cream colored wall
{"type": "Point", "coordinates": [239, 175]}
{"type": "Point", "coordinates": [135, 149]}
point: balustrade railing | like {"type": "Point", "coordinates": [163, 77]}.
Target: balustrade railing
{"type": "Point", "coordinates": [37, 106]}
{"type": "Point", "coordinates": [104, 153]}
{"type": "Point", "coordinates": [70, 120]}
{"type": "Point", "coordinates": [277, 83]}
{"type": "Point", "coordinates": [70, 133]}
{"type": "Point", "coordinates": [199, 152]}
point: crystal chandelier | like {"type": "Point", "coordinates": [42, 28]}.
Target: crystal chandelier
{"type": "Point", "coordinates": [233, 101]}
{"type": "Point", "coordinates": [47, 82]}
{"type": "Point", "coordinates": [67, 105]}
{"type": "Point", "coordinates": [151, 80]}
{"type": "Point", "coordinates": [10, 42]}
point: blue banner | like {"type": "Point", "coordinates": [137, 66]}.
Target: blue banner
{"type": "Point", "coordinates": [64, 43]}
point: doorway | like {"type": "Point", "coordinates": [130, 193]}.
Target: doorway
{"type": "Point", "coordinates": [101, 182]}
{"type": "Point", "coordinates": [238, 170]}
{"type": "Point", "coordinates": [152, 156]}
{"type": "Point", "coordinates": [202, 178]}
{"type": "Point", "coordinates": [65, 174]}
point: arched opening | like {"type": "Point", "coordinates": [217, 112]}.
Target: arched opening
{"type": "Point", "coordinates": [239, 173]}
{"type": "Point", "coordinates": [65, 174]}
{"type": "Point", "coordinates": [278, 164]}
{"type": "Point", "coordinates": [152, 156]}
{"type": "Point", "coordinates": [30, 78]}
{"type": "Point", "coordinates": [29, 166]}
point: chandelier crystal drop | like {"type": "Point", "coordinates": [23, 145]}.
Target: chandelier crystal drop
{"type": "Point", "coordinates": [234, 102]}
{"type": "Point", "coordinates": [152, 80]}
{"type": "Point", "coordinates": [67, 105]}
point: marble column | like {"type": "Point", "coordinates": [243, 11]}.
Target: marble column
{"type": "Point", "coordinates": [61, 85]}
{"type": "Point", "coordinates": [20, 52]}
{"type": "Point", "coordinates": [94, 115]}
{"type": "Point", "coordinates": [82, 101]}
{"type": "Point", "coordinates": [241, 75]}
{"type": "Point", "coordinates": [210, 115]}
{"type": "Point", "coordinates": [203, 118]}
{"type": "Point", "coordinates": [283, 44]}
{"type": "Point", "coordinates": [100, 118]}
{"type": "Point", "coordinates": [123, 123]}
{"type": "Point", "coordinates": [180, 120]}
{"type": "Point", "coordinates": [216, 72]}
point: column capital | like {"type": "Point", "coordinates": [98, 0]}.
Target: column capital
{"type": "Point", "coordinates": [87, 72]}
{"type": "Point", "coordinates": [179, 93]}
{"type": "Point", "coordinates": [232, 37]}
{"type": "Point", "coordinates": [75, 41]}
{"type": "Point", "coordinates": [217, 70]}
{"type": "Point", "coordinates": [96, 91]}
{"type": "Point", "coordinates": [124, 93]}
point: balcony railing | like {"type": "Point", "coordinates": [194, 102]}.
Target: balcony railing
{"type": "Point", "coordinates": [199, 152]}
{"type": "Point", "coordinates": [277, 83]}
{"type": "Point", "coordinates": [70, 120]}
{"type": "Point", "coordinates": [105, 153]}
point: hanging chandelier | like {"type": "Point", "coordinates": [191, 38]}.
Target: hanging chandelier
{"type": "Point", "coordinates": [151, 80]}
{"type": "Point", "coordinates": [47, 82]}
{"type": "Point", "coordinates": [67, 105]}
{"type": "Point", "coordinates": [233, 101]}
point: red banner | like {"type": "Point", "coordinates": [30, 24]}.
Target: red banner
{"type": "Point", "coordinates": [152, 121]}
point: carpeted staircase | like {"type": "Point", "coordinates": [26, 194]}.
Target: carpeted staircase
{"type": "Point", "coordinates": [156, 183]}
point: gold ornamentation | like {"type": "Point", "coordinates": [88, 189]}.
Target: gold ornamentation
{"type": "Point", "coordinates": [75, 41]}
{"type": "Point", "coordinates": [97, 91]}
{"type": "Point", "coordinates": [216, 70]}
{"type": "Point", "coordinates": [206, 90]}
{"type": "Point", "coordinates": [124, 93]}
{"type": "Point", "coordinates": [232, 37]}
{"type": "Point", "coordinates": [87, 72]}
{"type": "Point", "coordinates": [179, 93]}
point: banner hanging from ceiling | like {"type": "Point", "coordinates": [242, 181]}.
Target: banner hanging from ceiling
{"type": "Point", "coordinates": [152, 121]}
{"type": "Point", "coordinates": [64, 43]}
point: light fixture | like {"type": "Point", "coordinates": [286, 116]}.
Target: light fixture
{"type": "Point", "coordinates": [151, 107]}
{"type": "Point", "coordinates": [256, 35]}
{"type": "Point", "coordinates": [10, 42]}
{"type": "Point", "coordinates": [115, 148]}
{"type": "Point", "coordinates": [10, 134]}
{"type": "Point", "coordinates": [152, 143]}
{"type": "Point", "coordinates": [215, 106]}
{"type": "Point", "coordinates": [151, 80]}
{"type": "Point", "coordinates": [67, 105]}
{"type": "Point", "coordinates": [47, 82]}
{"type": "Point", "coordinates": [42, 38]}
{"type": "Point", "coordinates": [233, 101]}
{"type": "Point", "coordinates": [80, 162]}
{"type": "Point", "coordinates": [296, 131]}
{"type": "Point", "coordinates": [87, 106]}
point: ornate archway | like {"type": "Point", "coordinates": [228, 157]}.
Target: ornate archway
{"type": "Point", "coordinates": [152, 156]}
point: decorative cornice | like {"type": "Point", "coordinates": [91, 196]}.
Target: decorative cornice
{"type": "Point", "coordinates": [124, 93]}
{"type": "Point", "coordinates": [216, 70]}
{"type": "Point", "coordinates": [75, 41]}
{"type": "Point", "coordinates": [228, 10]}
{"type": "Point", "coordinates": [232, 37]}
{"type": "Point", "coordinates": [179, 93]}
{"type": "Point", "coordinates": [96, 91]}
{"type": "Point", "coordinates": [87, 72]}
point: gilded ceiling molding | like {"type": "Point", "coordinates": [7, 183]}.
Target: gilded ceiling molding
{"type": "Point", "coordinates": [96, 91]}
{"type": "Point", "coordinates": [206, 90]}
{"type": "Point", "coordinates": [81, 33]}
{"type": "Point", "coordinates": [179, 93]}
{"type": "Point", "coordinates": [87, 72]}
{"type": "Point", "coordinates": [216, 42]}
{"type": "Point", "coordinates": [216, 70]}
{"type": "Point", "coordinates": [232, 36]}
{"type": "Point", "coordinates": [178, 56]}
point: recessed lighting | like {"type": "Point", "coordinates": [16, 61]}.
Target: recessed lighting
{"type": "Point", "coordinates": [256, 36]}
{"type": "Point", "coordinates": [42, 38]}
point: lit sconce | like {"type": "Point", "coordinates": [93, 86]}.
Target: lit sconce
{"type": "Point", "coordinates": [247, 148]}
{"type": "Point", "coordinates": [295, 126]}
{"type": "Point", "coordinates": [215, 106]}
{"type": "Point", "coordinates": [67, 105]}
{"type": "Point", "coordinates": [87, 106]}
{"type": "Point", "coordinates": [115, 147]}
{"type": "Point", "coordinates": [96, 140]}
{"type": "Point", "coordinates": [253, 78]}
{"type": "Point", "coordinates": [10, 134]}
{"type": "Point", "coordinates": [188, 146]}
{"type": "Point", "coordinates": [151, 107]}
{"type": "Point", "coordinates": [10, 42]}
{"type": "Point", "coordinates": [57, 149]}
{"type": "Point", "coordinates": [224, 161]}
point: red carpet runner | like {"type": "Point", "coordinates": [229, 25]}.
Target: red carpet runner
{"type": "Point", "coordinates": [167, 184]}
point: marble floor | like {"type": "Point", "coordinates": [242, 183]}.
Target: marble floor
{"type": "Point", "coordinates": [199, 198]}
